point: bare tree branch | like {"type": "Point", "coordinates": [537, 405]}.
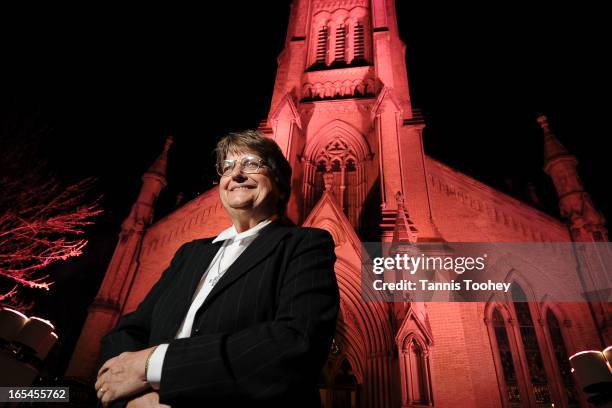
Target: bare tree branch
{"type": "Point", "coordinates": [40, 224]}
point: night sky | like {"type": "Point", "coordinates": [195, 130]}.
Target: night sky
{"type": "Point", "coordinates": [98, 94]}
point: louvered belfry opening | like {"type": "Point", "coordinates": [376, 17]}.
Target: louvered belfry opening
{"type": "Point", "coordinates": [340, 43]}
{"type": "Point", "coordinates": [339, 56]}
{"type": "Point", "coordinates": [359, 42]}
{"type": "Point", "coordinates": [322, 46]}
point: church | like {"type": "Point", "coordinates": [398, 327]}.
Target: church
{"type": "Point", "coordinates": [341, 112]}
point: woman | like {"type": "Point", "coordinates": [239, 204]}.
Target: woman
{"type": "Point", "coordinates": [244, 319]}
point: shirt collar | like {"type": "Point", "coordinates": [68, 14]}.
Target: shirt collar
{"type": "Point", "coordinates": [231, 233]}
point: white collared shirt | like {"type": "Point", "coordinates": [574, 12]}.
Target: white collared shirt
{"type": "Point", "coordinates": [233, 246]}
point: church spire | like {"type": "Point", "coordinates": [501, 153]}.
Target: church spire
{"type": "Point", "coordinates": [153, 181]}
{"type": "Point", "coordinates": [160, 165]}
{"type": "Point", "coordinates": [552, 146]}
{"type": "Point", "coordinates": [111, 298]}
{"type": "Point", "coordinates": [586, 223]}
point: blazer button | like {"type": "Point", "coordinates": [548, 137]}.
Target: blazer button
{"type": "Point", "coordinates": [196, 331]}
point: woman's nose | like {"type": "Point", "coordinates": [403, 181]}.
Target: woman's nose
{"type": "Point", "coordinates": [237, 172]}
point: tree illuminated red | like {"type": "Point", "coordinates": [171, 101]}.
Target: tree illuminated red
{"type": "Point", "coordinates": [41, 222]}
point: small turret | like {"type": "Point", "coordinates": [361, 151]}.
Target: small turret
{"type": "Point", "coordinates": [585, 222]}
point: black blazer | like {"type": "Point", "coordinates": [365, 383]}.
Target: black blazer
{"type": "Point", "coordinates": [262, 335]}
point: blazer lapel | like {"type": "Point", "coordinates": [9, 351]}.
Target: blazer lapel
{"type": "Point", "coordinates": [200, 264]}
{"type": "Point", "coordinates": [203, 255]}
{"type": "Point", "coordinates": [265, 242]}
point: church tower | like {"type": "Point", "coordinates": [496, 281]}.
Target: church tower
{"type": "Point", "coordinates": [342, 114]}
{"type": "Point", "coordinates": [585, 223]}
{"type": "Point", "coordinates": [110, 301]}
{"type": "Point", "coordinates": [341, 106]}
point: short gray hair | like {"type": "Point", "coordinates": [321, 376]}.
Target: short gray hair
{"type": "Point", "coordinates": [266, 149]}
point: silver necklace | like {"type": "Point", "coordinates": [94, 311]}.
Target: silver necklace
{"type": "Point", "coordinates": [218, 275]}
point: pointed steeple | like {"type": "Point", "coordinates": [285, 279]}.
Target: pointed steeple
{"type": "Point", "coordinates": [552, 146]}
{"type": "Point", "coordinates": [575, 205]}
{"type": "Point", "coordinates": [160, 166]}
{"type": "Point", "coordinates": [111, 298]}
{"type": "Point", "coordinates": [153, 181]}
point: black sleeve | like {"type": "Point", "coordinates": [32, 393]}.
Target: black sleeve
{"type": "Point", "coordinates": [132, 331]}
{"type": "Point", "coordinates": [271, 358]}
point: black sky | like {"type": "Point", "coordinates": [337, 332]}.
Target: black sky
{"type": "Point", "coordinates": [102, 88]}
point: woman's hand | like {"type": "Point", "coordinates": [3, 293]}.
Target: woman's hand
{"type": "Point", "coordinates": [123, 376]}
{"type": "Point", "coordinates": [148, 400]}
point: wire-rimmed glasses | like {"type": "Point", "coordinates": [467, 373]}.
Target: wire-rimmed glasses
{"type": "Point", "coordinates": [248, 165]}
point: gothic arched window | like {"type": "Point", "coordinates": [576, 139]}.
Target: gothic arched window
{"type": "Point", "coordinates": [417, 389]}
{"type": "Point", "coordinates": [339, 145]}
{"type": "Point", "coordinates": [525, 354]}
{"type": "Point", "coordinates": [350, 165]}
{"type": "Point", "coordinates": [345, 387]}
{"type": "Point", "coordinates": [513, 396]}
{"type": "Point", "coordinates": [414, 366]}
{"type": "Point", "coordinates": [560, 351]}
{"type": "Point", "coordinates": [535, 364]}
{"type": "Point", "coordinates": [338, 161]}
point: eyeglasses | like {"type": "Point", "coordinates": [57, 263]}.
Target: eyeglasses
{"type": "Point", "coordinates": [248, 165]}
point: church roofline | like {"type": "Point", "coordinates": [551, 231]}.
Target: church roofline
{"type": "Point", "coordinates": [187, 208]}
{"type": "Point", "coordinates": [486, 189]}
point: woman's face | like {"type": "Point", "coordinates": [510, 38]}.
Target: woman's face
{"type": "Point", "coordinates": [254, 193]}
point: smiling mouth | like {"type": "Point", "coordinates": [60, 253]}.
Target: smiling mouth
{"type": "Point", "coordinates": [241, 188]}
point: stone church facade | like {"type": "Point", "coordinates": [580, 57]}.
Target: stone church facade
{"type": "Point", "coordinates": [341, 113]}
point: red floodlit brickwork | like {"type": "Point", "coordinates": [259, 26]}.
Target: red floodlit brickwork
{"type": "Point", "coordinates": [341, 113]}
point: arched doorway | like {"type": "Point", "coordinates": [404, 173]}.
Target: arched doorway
{"type": "Point", "coordinates": [340, 390]}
